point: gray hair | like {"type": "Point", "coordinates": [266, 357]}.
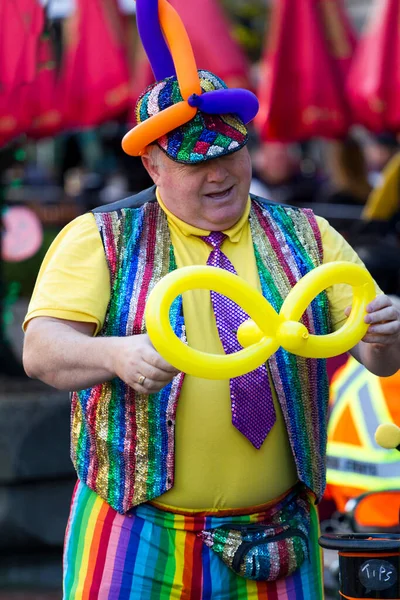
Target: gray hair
{"type": "Point", "coordinates": [153, 152]}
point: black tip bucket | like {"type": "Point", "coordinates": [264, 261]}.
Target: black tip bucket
{"type": "Point", "coordinates": [369, 564]}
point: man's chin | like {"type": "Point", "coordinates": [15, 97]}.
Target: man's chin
{"type": "Point", "coordinates": [224, 219]}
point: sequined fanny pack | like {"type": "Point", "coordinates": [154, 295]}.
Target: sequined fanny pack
{"type": "Point", "coordinates": [268, 550]}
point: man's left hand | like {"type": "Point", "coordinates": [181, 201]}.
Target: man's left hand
{"type": "Point", "coordinates": [383, 316]}
{"type": "Point", "coordinates": [384, 321]}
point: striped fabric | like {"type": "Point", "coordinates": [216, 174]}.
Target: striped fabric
{"type": "Point", "coordinates": [151, 554]}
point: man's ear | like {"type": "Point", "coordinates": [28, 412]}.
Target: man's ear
{"type": "Point", "coordinates": [151, 166]}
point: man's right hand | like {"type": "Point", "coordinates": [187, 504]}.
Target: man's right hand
{"type": "Point", "coordinates": [139, 365]}
{"type": "Point", "coordinates": [65, 355]}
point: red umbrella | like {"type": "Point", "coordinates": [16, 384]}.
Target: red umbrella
{"type": "Point", "coordinates": [339, 33]}
{"type": "Point", "coordinates": [45, 101]}
{"type": "Point", "coordinates": [95, 74]}
{"type": "Point", "coordinates": [21, 23]}
{"type": "Point", "coordinates": [10, 48]}
{"type": "Point", "coordinates": [32, 16]}
{"type": "Point", "coordinates": [300, 91]}
{"type": "Point", "coordinates": [15, 114]}
{"type": "Point", "coordinates": [373, 85]}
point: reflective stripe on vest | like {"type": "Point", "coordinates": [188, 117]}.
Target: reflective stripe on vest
{"type": "Point", "coordinates": [366, 466]}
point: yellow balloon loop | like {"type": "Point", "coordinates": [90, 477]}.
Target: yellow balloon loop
{"type": "Point", "coordinates": [267, 330]}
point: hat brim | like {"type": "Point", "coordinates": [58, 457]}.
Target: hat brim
{"type": "Point", "coordinates": [204, 138]}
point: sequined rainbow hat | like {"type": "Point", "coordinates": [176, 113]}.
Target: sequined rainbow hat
{"type": "Point", "coordinates": [191, 115]}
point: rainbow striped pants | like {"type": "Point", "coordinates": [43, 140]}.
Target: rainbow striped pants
{"type": "Point", "coordinates": [152, 554]}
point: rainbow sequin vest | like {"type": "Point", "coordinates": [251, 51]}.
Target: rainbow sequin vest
{"type": "Point", "coordinates": [122, 442]}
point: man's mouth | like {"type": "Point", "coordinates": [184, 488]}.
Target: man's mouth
{"type": "Point", "coordinates": [220, 195]}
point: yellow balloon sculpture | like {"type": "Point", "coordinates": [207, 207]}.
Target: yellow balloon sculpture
{"type": "Point", "coordinates": [267, 330]}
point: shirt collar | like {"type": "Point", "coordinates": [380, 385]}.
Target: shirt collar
{"type": "Point", "coordinates": [234, 233]}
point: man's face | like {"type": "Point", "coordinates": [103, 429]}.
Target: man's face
{"type": "Point", "coordinates": [211, 195]}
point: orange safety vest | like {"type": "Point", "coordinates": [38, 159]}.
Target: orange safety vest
{"type": "Point", "coordinates": [360, 402]}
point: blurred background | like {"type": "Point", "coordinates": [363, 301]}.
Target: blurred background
{"type": "Point", "coordinates": [327, 74]}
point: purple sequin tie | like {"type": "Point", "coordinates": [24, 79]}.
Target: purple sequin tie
{"type": "Point", "coordinates": [253, 411]}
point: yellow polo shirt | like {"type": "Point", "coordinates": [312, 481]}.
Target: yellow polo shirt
{"type": "Point", "coordinates": [215, 465]}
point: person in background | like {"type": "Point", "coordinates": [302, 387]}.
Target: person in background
{"type": "Point", "coordinates": [347, 174]}
{"type": "Point", "coordinates": [278, 174]}
{"type": "Point", "coordinates": [384, 201]}
{"type": "Point", "coordinates": [379, 150]}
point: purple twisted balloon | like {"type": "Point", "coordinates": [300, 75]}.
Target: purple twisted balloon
{"type": "Point", "coordinates": [218, 102]}
{"type": "Point", "coordinates": [153, 40]}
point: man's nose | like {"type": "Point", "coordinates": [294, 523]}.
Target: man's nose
{"type": "Point", "coordinates": [216, 171]}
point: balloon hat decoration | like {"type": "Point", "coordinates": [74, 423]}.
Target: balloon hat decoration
{"type": "Point", "coordinates": [262, 335]}
{"type": "Point", "coordinates": [168, 48]}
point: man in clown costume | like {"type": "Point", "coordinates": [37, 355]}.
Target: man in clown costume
{"type": "Point", "coordinates": [191, 488]}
